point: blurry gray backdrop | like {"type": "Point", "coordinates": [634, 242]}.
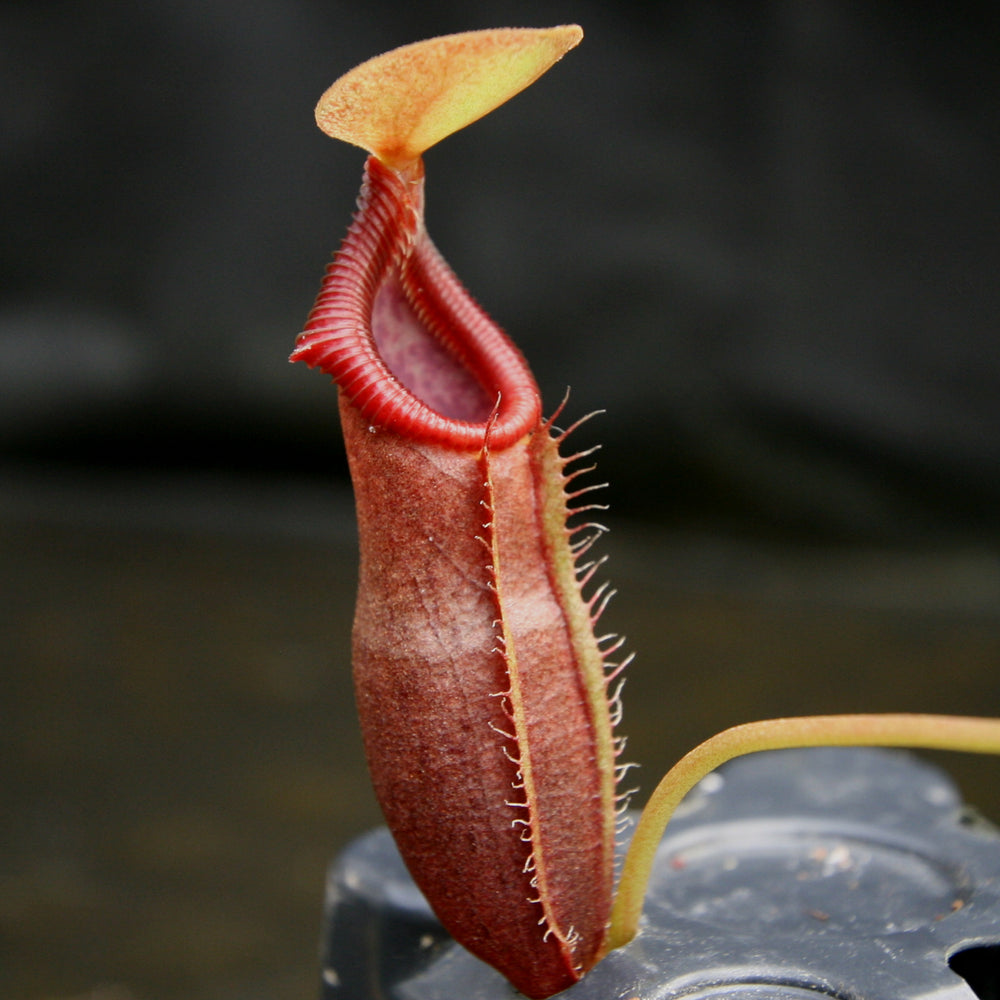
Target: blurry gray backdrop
{"type": "Point", "coordinates": [763, 237]}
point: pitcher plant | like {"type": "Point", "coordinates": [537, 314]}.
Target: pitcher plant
{"type": "Point", "coordinates": [488, 699]}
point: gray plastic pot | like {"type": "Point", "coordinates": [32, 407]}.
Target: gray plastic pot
{"type": "Point", "coordinates": [793, 875]}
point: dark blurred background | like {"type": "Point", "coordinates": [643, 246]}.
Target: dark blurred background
{"type": "Point", "coordinates": [764, 237]}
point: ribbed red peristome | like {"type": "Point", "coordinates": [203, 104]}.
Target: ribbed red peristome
{"type": "Point", "coordinates": [387, 238]}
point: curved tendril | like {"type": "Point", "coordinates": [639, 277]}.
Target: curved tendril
{"type": "Point", "coordinates": [925, 732]}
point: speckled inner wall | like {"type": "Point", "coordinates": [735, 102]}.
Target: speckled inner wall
{"type": "Point", "coordinates": [762, 236]}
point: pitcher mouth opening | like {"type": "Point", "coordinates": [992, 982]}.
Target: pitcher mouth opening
{"type": "Point", "coordinates": [421, 363]}
{"type": "Point", "coordinates": [402, 338]}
